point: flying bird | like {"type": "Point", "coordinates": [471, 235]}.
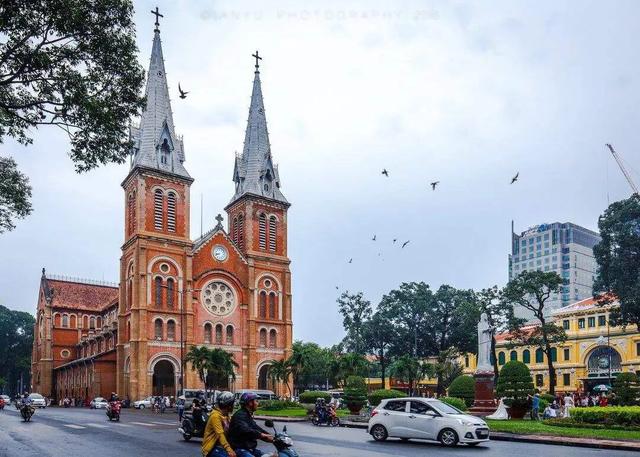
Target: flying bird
{"type": "Point", "coordinates": [337, 287]}
{"type": "Point", "coordinates": [350, 260]}
{"type": "Point", "coordinates": [515, 178]}
{"type": "Point", "coordinates": [394, 240]}
{"type": "Point", "coordinates": [405, 243]}
{"type": "Point", "coordinates": [183, 94]}
{"type": "Point", "coordinates": [374, 237]}
{"type": "Point", "coordinates": [434, 184]}
{"type": "Point", "coordinates": [385, 172]}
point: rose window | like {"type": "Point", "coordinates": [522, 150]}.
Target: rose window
{"type": "Point", "coordinates": [218, 298]}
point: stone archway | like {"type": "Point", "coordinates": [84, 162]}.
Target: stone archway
{"type": "Point", "coordinates": [264, 380]}
{"type": "Point", "coordinates": [164, 378]}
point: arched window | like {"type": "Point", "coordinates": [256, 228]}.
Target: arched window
{"type": "Point", "coordinates": [272, 305]}
{"type": "Point", "coordinates": [526, 356]}
{"type": "Point", "coordinates": [171, 212]}
{"type": "Point", "coordinates": [262, 231]}
{"type": "Point", "coordinates": [129, 293]}
{"type": "Point", "coordinates": [229, 334]}
{"type": "Point", "coordinates": [92, 322]}
{"type": "Point", "coordinates": [263, 338]}
{"type": "Point", "coordinates": [171, 330]}
{"type": "Point", "coordinates": [132, 212]}
{"type": "Point", "coordinates": [73, 321]}
{"type": "Point", "coordinates": [158, 329]}
{"type": "Point", "coordinates": [158, 281]}
{"type": "Point", "coordinates": [207, 333]}
{"type": "Point", "coordinates": [241, 231]}
{"type": "Point", "coordinates": [65, 320]}
{"type": "Point", "coordinates": [539, 356]}
{"type": "Point", "coordinates": [539, 380]}
{"type": "Point", "coordinates": [554, 354]}
{"type": "Point", "coordinates": [128, 331]}
{"type": "Point", "coordinates": [99, 321]}
{"type": "Point", "coordinates": [501, 358]}
{"type": "Point", "coordinates": [158, 198]}
{"type": "Point", "coordinates": [513, 355]}
{"type": "Point", "coordinates": [262, 305]}
{"type": "Point", "coordinates": [170, 292]}
{"type": "Point", "coordinates": [272, 338]}
{"type": "Point", "coordinates": [85, 321]}
{"type": "Point", "coordinates": [219, 334]}
{"type": "Point", "coordinates": [272, 233]}
{"type": "Point", "coordinates": [164, 152]}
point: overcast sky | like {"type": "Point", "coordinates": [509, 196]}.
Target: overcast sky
{"type": "Point", "coordinates": [465, 93]}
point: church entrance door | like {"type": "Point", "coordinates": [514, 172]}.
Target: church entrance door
{"type": "Point", "coordinates": [164, 378]}
{"type": "Point", "coordinates": [263, 378]}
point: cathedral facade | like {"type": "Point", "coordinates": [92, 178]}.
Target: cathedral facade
{"type": "Point", "coordinates": [228, 289]}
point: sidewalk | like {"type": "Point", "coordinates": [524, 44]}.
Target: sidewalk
{"type": "Point", "coordinates": [547, 439]}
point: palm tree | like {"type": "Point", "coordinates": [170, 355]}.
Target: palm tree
{"type": "Point", "coordinates": [198, 357]}
{"type": "Point", "coordinates": [280, 370]}
{"type": "Point", "coordinates": [350, 364]}
{"type": "Point", "coordinates": [216, 364]}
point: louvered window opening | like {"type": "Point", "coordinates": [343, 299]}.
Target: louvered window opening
{"type": "Point", "coordinates": [132, 212]}
{"type": "Point", "coordinates": [262, 228]}
{"type": "Point", "coordinates": [272, 306]}
{"type": "Point", "coordinates": [218, 334]}
{"type": "Point", "coordinates": [272, 233]}
{"type": "Point", "coordinates": [170, 292]}
{"type": "Point", "coordinates": [262, 305]}
{"type": "Point", "coordinates": [263, 338]}
{"type": "Point", "coordinates": [158, 329]}
{"type": "Point", "coordinates": [171, 330]}
{"type": "Point", "coordinates": [207, 333]}
{"type": "Point", "coordinates": [235, 230]}
{"type": "Point", "coordinates": [171, 212]}
{"type": "Point", "coordinates": [158, 292]}
{"type": "Point", "coordinates": [241, 231]}
{"type": "Point", "coordinates": [157, 209]}
{"type": "Point", "coordinates": [229, 334]}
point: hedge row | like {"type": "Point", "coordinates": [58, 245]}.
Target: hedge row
{"type": "Point", "coordinates": [377, 396]}
{"type": "Point", "coordinates": [455, 402]}
{"type": "Point", "coordinates": [571, 423]}
{"type": "Point", "coordinates": [278, 405]}
{"type": "Point", "coordinates": [310, 396]}
{"type": "Point", "coordinates": [609, 415]}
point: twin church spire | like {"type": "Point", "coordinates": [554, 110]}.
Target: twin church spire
{"type": "Point", "coordinates": [157, 147]}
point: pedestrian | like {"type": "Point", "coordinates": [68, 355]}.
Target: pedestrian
{"type": "Point", "coordinates": [180, 407]}
{"type": "Point", "coordinates": [604, 401]}
{"type": "Point", "coordinates": [568, 403]}
{"type": "Point", "coordinates": [535, 407]}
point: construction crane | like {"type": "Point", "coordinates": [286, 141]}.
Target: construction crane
{"type": "Point", "coordinates": [623, 169]}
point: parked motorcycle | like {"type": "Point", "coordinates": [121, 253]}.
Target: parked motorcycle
{"type": "Point", "coordinates": [26, 411]}
{"type": "Point", "coordinates": [282, 441]}
{"type": "Point", "coordinates": [188, 429]}
{"type": "Point", "coordinates": [113, 411]}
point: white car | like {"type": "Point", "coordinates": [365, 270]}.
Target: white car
{"type": "Point", "coordinates": [144, 403]}
{"type": "Point", "coordinates": [98, 403]}
{"type": "Point", "coordinates": [7, 400]}
{"type": "Point", "coordinates": [38, 401]}
{"type": "Point", "coordinates": [427, 419]}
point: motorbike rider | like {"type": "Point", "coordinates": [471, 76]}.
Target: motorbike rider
{"type": "Point", "coordinates": [25, 401]}
{"type": "Point", "coordinates": [321, 410]}
{"type": "Point", "coordinates": [244, 433]}
{"type": "Point", "coordinates": [196, 413]}
{"type": "Point", "coordinates": [214, 441]}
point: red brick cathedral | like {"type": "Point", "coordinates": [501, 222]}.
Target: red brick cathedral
{"type": "Point", "coordinates": [229, 289]}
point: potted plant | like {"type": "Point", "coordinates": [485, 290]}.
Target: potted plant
{"type": "Point", "coordinates": [515, 384]}
{"type": "Point", "coordinates": [355, 394]}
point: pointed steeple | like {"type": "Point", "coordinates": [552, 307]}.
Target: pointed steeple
{"type": "Point", "coordinates": [254, 172]}
{"type": "Point", "coordinates": [155, 143]}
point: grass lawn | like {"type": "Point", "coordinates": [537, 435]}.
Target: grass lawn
{"type": "Point", "coordinates": [292, 412]}
{"type": "Point", "coordinates": [528, 427]}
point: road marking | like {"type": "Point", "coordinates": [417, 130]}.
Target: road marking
{"type": "Point", "coordinates": [76, 427]}
{"type": "Point", "coordinates": [144, 423]}
{"type": "Point", "coordinates": [91, 424]}
{"type": "Point", "coordinates": [164, 423]}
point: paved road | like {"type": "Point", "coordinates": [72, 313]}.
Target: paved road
{"type": "Point", "coordinates": [58, 432]}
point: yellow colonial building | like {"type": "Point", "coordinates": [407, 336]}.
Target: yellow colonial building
{"type": "Point", "coordinates": [594, 352]}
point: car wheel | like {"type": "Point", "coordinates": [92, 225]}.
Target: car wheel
{"type": "Point", "coordinates": [379, 433]}
{"type": "Point", "coordinates": [448, 437]}
{"type": "Point", "coordinates": [141, 407]}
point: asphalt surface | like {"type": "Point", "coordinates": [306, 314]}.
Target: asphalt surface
{"type": "Point", "coordinates": [59, 432]}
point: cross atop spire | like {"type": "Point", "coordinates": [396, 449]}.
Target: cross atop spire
{"type": "Point", "coordinates": [157, 14]}
{"type": "Point", "coordinates": [258, 58]}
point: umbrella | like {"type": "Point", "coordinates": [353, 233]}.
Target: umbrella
{"type": "Point", "coordinates": [601, 388]}
{"type": "Point", "coordinates": [181, 397]}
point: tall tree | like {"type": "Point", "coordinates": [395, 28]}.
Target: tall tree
{"type": "Point", "coordinates": [15, 193]}
{"type": "Point", "coordinates": [310, 365]}
{"type": "Point", "coordinates": [214, 366]}
{"type": "Point", "coordinates": [490, 301]}
{"type": "Point", "coordinates": [355, 310]}
{"type": "Point", "coordinates": [618, 257]}
{"type": "Point", "coordinates": [16, 343]}
{"type": "Point", "coordinates": [531, 290]}
{"type": "Point", "coordinates": [280, 371]}
{"type": "Point", "coordinates": [379, 335]}
{"type": "Point", "coordinates": [410, 370]}
{"type": "Point", "coordinates": [74, 65]}
{"type": "Point", "coordinates": [349, 364]}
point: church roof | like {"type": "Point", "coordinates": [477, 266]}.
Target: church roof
{"type": "Point", "coordinates": [156, 132]}
{"type": "Point", "coordinates": [254, 172]}
{"type": "Point", "coordinates": [79, 293]}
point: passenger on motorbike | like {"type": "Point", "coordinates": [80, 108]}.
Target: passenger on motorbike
{"type": "Point", "coordinates": [244, 433]}
{"type": "Point", "coordinates": [214, 442]}
{"type": "Point", "coordinates": [114, 397]}
{"type": "Point", "coordinates": [196, 413]}
{"type": "Point", "coordinates": [321, 409]}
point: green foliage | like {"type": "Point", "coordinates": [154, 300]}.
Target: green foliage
{"type": "Point", "coordinates": [459, 403]}
{"type": "Point", "coordinates": [217, 363]}
{"type": "Point", "coordinates": [73, 65]}
{"type": "Point", "coordinates": [310, 365]}
{"type": "Point", "coordinates": [463, 387]}
{"type": "Point", "coordinates": [408, 369]}
{"type": "Point", "coordinates": [278, 405]}
{"type": "Point", "coordinates": [609, 415]}
{"type": "Point", "coordinates": [350, 364]}
{"type": "Point", "coordinates": [547, 397]}
{"type": "Point", "coordinates": [515, 383]}
{"type": "Point", "coordinates": [355, 393]}
{"type": "Point", "coordinates": [618, 257]}
{"type": "Point", "coordinates": [377, 396]}
{"type": "Point", "coordinates": [626, 387]}
{"type": "Point", "coordinates": [15, 193]}
{"type": "Point", "coordinates": [571, 423]}
{"type": "Point", "coordinates": [16, 343]}
{"type": "Point", "coordinates": [355, 311]}
{"type": "Point", "coordinates": [310, 396]}
{"type": "Point", "coordinates": [280, 371]}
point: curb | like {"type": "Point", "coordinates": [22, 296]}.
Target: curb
{"type": "Point", "coordinates": [282, 419]}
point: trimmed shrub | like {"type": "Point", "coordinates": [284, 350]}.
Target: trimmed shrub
{"type": "Point", "coordinates": [455, 402]}
{"type": "Point", "coordinates": [377, 396]}
{"type": "Point", "coordinates": [310, 396]}
{"type": "Point", "coordinates": [464, 387]}
{"type": "Point", "coordinates": [626, 388]}
{"type": "Point", "coordinates": [278, 405]}
{"type": "Point", "coordinates": [628, 416]}
{"type": "Point", "coordinates": [571, 423]}
{"type": "Point", "coordinates": [548, 397]}
{"type": "Point", "coordinates": [515, 383]}
{"type": "Point", "coordinates": [355, 393]}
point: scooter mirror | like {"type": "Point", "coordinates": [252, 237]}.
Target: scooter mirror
{"type": "Point", "coordinates": [268, 423]}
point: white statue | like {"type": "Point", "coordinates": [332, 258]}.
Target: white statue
{"type": "Point", "coordinates": [485, 335]}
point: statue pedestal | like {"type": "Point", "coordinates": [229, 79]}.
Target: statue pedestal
{"type": "Point", "coordinates": [484, 403]}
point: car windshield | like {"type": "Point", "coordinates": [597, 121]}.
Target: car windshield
{"type": "Point", "coordinates": [36, 396]}
{"type": "Point", "coordinates": [98, 399]}
{"type": "Point", "coordinates": [444, 408]}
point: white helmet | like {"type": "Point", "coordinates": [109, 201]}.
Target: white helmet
{"type": "Point", "coordinates": [225, 399]}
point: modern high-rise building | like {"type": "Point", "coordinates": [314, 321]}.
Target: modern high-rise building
{"type": "Point", "coordinates": [564, 248]}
